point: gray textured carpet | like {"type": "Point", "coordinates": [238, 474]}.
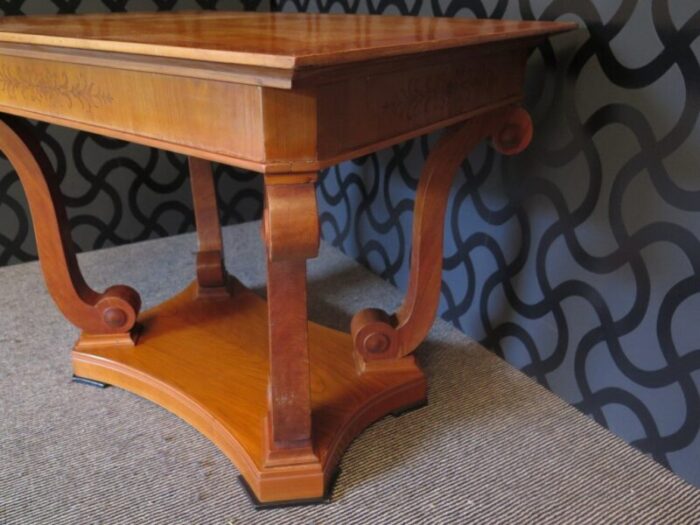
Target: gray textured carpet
{"type": "Point", "coordinates": [492, 446]}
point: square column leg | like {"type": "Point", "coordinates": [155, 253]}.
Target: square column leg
{"type": "Point", "coordinates": [291, 234]}
{"type": "Point", "coordinates": [211, 272]}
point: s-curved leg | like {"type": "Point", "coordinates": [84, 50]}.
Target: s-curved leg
{"type": "Point", "coordinates": [109, 316]}
{"type": "Point", "coordinates": [385, 341]}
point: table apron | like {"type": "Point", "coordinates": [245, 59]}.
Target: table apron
{"type": "Point", "coordinates": [173, 112]}
{"type": "Point", "coordinates": [312, 125]}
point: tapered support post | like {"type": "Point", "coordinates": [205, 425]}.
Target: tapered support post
{"type": "Point", "coordinates": [291, 234]}
{"type": "Point", "coordinates": [109, 316]}
{"type": "Point", "coordinates": [211, 273]}
{"type": "Point", "coordinates": [382, 340]}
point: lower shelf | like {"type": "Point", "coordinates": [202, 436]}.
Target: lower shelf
{"type": "Point", "coordinates": [206, 361]}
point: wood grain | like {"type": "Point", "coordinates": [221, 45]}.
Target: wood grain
{"type": "Point", "coordinates": [398, 79]}
{"type": "Point", "coordinates": [381, 339]}
{"type": "Point", "coordinates": [167, 109]}
{"type": "Point", "coordinates": [281, 40]}
{"type": "Point", "coordinates": [404, 98]}
{"type": "Point", "coordinates": [211, 273]}
{"type": "Point", "coordinates": [291, 234]}
{"type": "Point", "coordinates": [111, 313]}
{"type": "Point", "coordinates": [206, 360]}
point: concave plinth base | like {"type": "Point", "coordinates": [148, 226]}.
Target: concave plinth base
{"type": "Point", "coordinates": [206, 361]}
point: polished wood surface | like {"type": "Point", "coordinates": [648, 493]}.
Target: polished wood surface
{"type": "Point", "coordinates": [206, 360]}
{"type": "Point", "coordinates": [382, 340]}
{"type": "Point", "coordinates": [291, 234]}
{"type": "Point", "coordinates": [398, 77]}
{"type": "Point", "coordinates": [265, 39]}
{"type": "Point", "coordinates": [211, 272]}
{"type": "Point", "coordinates": [285, 95]}
{"type": "Point", "coordinates": [109, 315]}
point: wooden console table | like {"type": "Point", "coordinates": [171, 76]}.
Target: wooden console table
{"type": "Point", "coordinates": [284, 95]}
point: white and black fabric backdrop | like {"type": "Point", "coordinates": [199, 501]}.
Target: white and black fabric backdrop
{"type": "Point", "coordinates": [577, 261]}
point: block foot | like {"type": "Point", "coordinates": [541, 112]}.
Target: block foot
{"type": "Point", "coordinates": [89, 382]}
{"type": "Point", "coordinates": [410, 408]}
{"type": "Point", "coordinates": [262, 505]}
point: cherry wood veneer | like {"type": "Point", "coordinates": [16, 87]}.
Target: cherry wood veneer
{"type": "Point", "coordinates": [285, 95]}
{"type": "Point", "coordinates": [192, 359]}
{"type": "Point", "coordinates": [284, 41]}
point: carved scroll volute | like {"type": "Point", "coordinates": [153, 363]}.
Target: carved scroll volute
{"type": "Point", "coordinates": [112, 312]}
{"type": "Point", "coordinates": [514, 134]}
{"type": "Point", "coordinates": [290, 225]}
{"type": "Point", "coordinates": [380, 338]}
{"type": "Point", "coordinates": [375, 335]}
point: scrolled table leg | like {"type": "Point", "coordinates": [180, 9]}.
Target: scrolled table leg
{"type": "Point", "coordinates": [382, 340]}
{"type": "Point", "coordinates": [110, 315]}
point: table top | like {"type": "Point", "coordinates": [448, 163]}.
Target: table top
{"type": "Point", "coordinates": [288, 41]}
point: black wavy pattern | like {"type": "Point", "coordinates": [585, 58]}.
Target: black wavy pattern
{"type": "Point", "coordinates": [504, 257]}
{"type": "Point", "coordinates": [117, 192]}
